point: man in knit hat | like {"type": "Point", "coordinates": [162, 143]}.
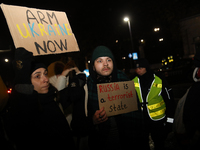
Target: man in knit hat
{"type": "Point", "coordinates": [156, 102]}
{"type": "Point", "coordinates": [117, 132]}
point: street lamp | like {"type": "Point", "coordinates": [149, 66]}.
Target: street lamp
{"type": "Point", "coordinates": [156, 29]}
{"type": "Point", "coordinates": [6, 60]}
{"type": "Point", "coordinates": [126, 19]}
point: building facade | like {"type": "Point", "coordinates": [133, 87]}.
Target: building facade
{"type": "Point", "coordinates": [190, 31]}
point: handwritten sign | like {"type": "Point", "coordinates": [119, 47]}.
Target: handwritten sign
{"type": "Point", "coordinates": [117, 98]}
{"type": "Point", "coordinates": [40, 31]}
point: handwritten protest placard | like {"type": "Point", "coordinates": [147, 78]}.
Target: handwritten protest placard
{"type": "Point", "coordinates": [117, 98]}
{"type": "Point", "coordinates": [40, 31]}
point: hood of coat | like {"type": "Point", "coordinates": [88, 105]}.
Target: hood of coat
{"type": "Point", "coordinates": [195, 78]}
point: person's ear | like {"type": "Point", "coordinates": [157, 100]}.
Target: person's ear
{"type": "Point", "coordinates": [94, 68]}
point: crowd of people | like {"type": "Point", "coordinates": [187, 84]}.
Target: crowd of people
{"type": "Point", "coordinates": [57, 106]}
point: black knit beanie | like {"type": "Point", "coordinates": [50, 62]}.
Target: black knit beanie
{"type": "Point", "coordinates": [36, 65]}
{"type": "Point", "coordinates": [143, 63]}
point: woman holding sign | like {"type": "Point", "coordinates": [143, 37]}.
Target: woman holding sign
{"type": "Point", "coordinates": [122, 131]}
{"type": "Point", "coordinates": [35, 120]}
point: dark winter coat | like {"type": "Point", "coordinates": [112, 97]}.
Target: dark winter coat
{"type": "Point", "coordinates": [129, 125]}
{"type": "Point", "coordinates": [36, 122]}
{"type": "Point", "coordinates": [191, 110]}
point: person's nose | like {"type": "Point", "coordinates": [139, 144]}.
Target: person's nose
{"type": "Point", "coordinates": [137, 70]}
{"type": "Point", "coordinates": [105, 63]}
{"type": "Point", "coordinates": [45, 78]}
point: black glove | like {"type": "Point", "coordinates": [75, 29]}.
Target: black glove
{"type": "Point", "coordinates": [77, 81]}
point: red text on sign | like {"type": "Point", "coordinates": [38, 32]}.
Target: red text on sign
{"type": "Point", "coordinates": [108, 88]}
{"type": "Point", "coordinates": [120, 96]}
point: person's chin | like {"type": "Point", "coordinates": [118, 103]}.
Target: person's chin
{"type": "Point", "coordinates": [106, 73]}
{"type": "Point", "coordinates": [44, 91]}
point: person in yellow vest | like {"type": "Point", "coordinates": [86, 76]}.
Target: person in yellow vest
{"type": "Point", "coordinates": [156, 101]}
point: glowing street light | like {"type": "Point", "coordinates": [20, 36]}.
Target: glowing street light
{"type": "Point", "coordinates": [126, 19]}
{"type": "Point", "coordinates": [6, 60]}
{"type": "Point", "coordinates": [123, 57]}
{"type": "Point", "coordinates": [156, 29]}
{"type": "Point", "coordinates": [161, 39]}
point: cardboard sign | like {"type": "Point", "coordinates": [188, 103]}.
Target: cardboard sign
{"type": "Point", "coordinates": [40, 31]}
{"type": "Point", "coordinates": [117, 98]}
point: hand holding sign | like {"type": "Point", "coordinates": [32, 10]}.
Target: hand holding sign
{"type": "Point", "coordinates": [100, 116]}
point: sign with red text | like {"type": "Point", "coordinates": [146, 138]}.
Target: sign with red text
{"type": "Point", "coordinates": [117, 98]}
{"type": "Point", "coordinates": [40, 31]}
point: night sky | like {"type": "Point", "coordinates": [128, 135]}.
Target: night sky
{"type": "Point", "coordinates": [101, 23]}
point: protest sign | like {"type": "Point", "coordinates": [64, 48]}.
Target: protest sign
{"type": "Point", "coordinates": [40, 31]}
{"type": "Point", "coordinates": [117, 97]}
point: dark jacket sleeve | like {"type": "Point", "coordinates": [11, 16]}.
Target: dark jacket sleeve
{"type": "Point", "coordinates": [73, 92]}
{"type": "Point", "coordinates": [79, 123]}
{"type": "Point", "coordinates": [168, 97]}
{"type": "Point", "coordinates": [64, 97]}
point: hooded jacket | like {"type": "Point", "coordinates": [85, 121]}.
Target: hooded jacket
{"type": "Point", "coordinates": [129, 126]}
{"type": "Point", "coordinates": [191, 109]}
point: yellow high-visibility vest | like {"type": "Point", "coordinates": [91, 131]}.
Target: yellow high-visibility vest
{"type": "Point", "coordinates": [154, 101]}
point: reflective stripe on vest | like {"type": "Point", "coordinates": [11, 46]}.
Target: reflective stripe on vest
{"type": "Point", "coordinates": [158, 113]}
{"type": "Point", "coordinates": [154, 106]}
{"type": "Point", "coordinates": [155, 103]}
